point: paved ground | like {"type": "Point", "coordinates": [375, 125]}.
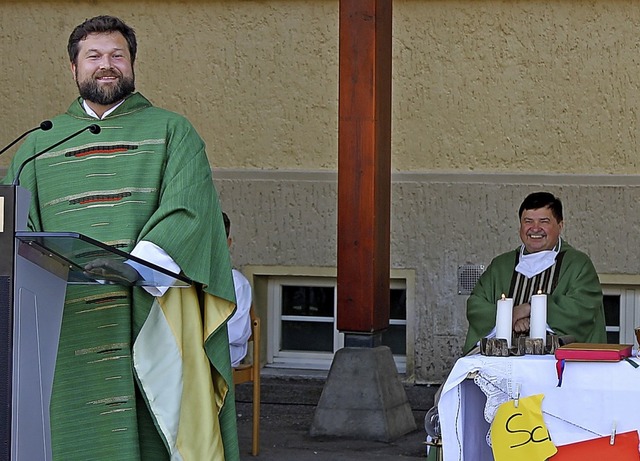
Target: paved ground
{"type": "Point", "coordinates": [288, 405]}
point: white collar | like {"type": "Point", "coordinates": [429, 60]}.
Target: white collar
{"type": "Point", "coordinates": [91, 113]}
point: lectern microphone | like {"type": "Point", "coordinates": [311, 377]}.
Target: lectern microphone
{"type": "Point", "coordinates": [44, 126]}
{"type": "Point", "coordinates": [94, 129]}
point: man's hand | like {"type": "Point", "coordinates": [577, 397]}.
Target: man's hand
{"type": "Point", "coordinates": [521, 316]}
{"type": "Point", "coordinates": [522, 325]}
{"type": "Point", "coordinates": [108, 269]}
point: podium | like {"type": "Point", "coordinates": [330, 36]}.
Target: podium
{"type": "Point", "coordinates": [35, 268]}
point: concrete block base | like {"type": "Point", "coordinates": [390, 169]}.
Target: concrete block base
{"type": "Point", "coordinates": [363, 398]}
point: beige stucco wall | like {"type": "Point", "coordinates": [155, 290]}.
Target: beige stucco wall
{"type": "Point", "coordinates": [517, 86]}
{"type": "Point", "coordinates": [478, 85]}
{"type": "Point", "coordinates": [258, 79]}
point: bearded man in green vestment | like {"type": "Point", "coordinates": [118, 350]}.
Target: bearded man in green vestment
{"type": "Point", "coordinates": [141, 373]}
{"type": "Point", "coordinates": [543, 263]}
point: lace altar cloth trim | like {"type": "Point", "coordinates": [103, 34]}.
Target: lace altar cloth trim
{"type": "Point", "coordinates": [496, 382]}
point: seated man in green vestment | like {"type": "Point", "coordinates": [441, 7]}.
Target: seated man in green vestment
{"type": "Point", "coordinates": [141, 373]}
{"type": "Point", "coordinates": [546, 263]}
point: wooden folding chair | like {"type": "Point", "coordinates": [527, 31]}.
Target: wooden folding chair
{"type": "Point", "coordinates": [250, 372]}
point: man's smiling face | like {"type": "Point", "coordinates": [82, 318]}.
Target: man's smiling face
{"type": "Point", "coordinates": [539, 229]}
{"type": "Point", "coordinates": [103, 69]}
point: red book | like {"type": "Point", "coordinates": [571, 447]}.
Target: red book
{"type": "Point", "coordinates": [589, 352]}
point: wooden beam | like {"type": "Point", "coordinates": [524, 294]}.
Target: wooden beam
{"type": "Point", "coordinates": [364, 165]}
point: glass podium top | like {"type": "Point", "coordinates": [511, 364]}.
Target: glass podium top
{"type": "Point", "coordinates": [89, 261]}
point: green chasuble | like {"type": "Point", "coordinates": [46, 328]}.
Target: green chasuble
{"type": "Point", "coordinates": [574, 307]}
{"type": "Point", "coordinates": [145, 176]}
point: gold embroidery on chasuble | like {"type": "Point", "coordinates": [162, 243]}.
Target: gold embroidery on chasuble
{"type": "Point", "coordinates": [95, 355]}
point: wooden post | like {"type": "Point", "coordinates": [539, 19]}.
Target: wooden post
{"type": "Point", "coordinates": [351, 404]}
{"type": "Point", "coordinates": [364, 168]}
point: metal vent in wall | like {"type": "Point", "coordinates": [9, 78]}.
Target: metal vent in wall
{"type": "Point", "coordinates": [468, 275]}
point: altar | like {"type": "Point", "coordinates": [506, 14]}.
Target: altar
{"type": "Point", "coordinates": [594, 398]}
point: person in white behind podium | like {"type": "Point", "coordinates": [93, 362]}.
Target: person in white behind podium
{"type": "Point", "coordinates": [141, 373]}
{"type": "Point", "coordinates": [239, 325]}
{"type": "Point", "coordinates": [546, 263]}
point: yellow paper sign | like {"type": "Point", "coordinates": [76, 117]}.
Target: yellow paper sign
{"type": "Point", "coordinates": [520, 432]}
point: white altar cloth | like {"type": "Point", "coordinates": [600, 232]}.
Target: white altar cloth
{"type": "Point", "coordinates": [593, 395]}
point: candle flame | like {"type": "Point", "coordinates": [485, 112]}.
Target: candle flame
{"type": "Point", "coordinates": [504, 296]}
{"type": "Point", "coordinates": [539, 292]}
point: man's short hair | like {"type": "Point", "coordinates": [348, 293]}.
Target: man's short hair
{"type": "Point", "coordinates": [98, 25]}
{"type": "Point", "coordinates": [538, 200]}
{"type": "Point", "coordinates": [227, 223]}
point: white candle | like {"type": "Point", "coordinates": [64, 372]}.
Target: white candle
{"type": "Point", "coordinates": [538, 319]}
{"type": "Point", "coordinates": [504, 317]}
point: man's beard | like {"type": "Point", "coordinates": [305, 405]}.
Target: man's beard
{"type": "Point", "coordinates": [108, 94]}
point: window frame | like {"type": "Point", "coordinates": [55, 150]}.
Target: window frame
{"type": "Point", "coordinates": [628, 288]}
{"type": "Point", "coordinates": [268, 279]}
